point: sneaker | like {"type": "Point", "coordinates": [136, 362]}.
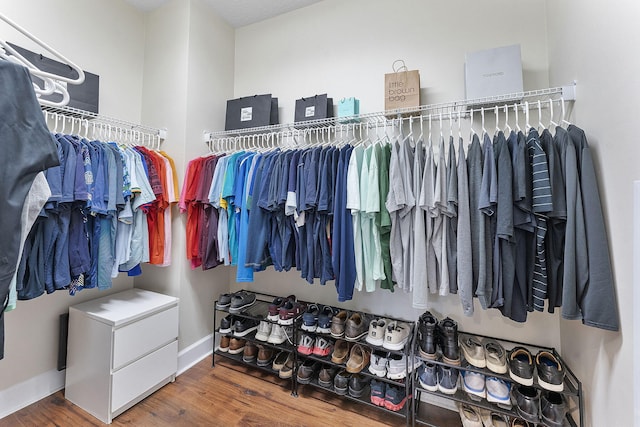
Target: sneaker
{"type": "Point", "coordinates": [498, 391]}
{"type": "Point", "coordinates": [324, 319]}
{"type": "Point", "coordinates": [472, 350]}
{"type": "Point", "coordinates": [427, 336]}
{"type": "Point", "coordinates": [224, 343]}
{"type": "Point", "coordinates": [377, 328]}
{"type": "Point", "coordinates": [289, 311]}
{"type": "Point", "coordinates": [241, 300]}
{"type": "Point", "coordinates": [322, 347]}
{"type": "Point", "coordinates": [527, 402]}
{"type": "Point", "coordinates": [396, 335]}
{"type": "Point", "coordinates": [378, 392]}
{"type": "Point", "coordinates": [280, 334]}
{"type": "Point", "coordinates": [550, 372]}
{"type": "Point", "coordinates": [264, 330]}
{"type": "Point", "coordinates": [224, 301]}
{"type": "Point", "coordinates": [226, 325]}
{"type": "Point", "coordinates": [378, 363]}
{"type": "Point", "coordinates": [474, 384]}
{"type": "Point", "coordinates": [395, 398]}
{"type": "Point", "coordinates": [236, 345]}
{"type": "Point", "coordinates": [280, 360]}
{"type": "Point", "coordinates": [265, 355]}
{"type": "Point", "coordinates": [470, 415]}
{"type": "Point", "coordinates": [305, 344]}
{"type": "Point", "coordinates": [356, 327]}
{"type": "Point", "coordinates": [447, 379]}
{"type": "Point", "coordinates": [553, 408]}
{"type": "Point", "coordinates": [521, 366]}
{"type": "Point", "coordinates": [327, 375]}
{"type": "Point", "coordinates": [338, 323]}
{"type": "Point", "coordinates": [428, 377]}
{"type": "Point", "coordinates": [287, 369]}
{"type": "Point", "coordinates": [341, 352]}
{"type": "Point", "coordinates": [494, 419]}
{"type": "Point", "coordinates": [341, 382]}
{"type": "Point", "coordinates": [358, 358]}
{"type": "Point", "coordinates": [274, 307]}
{"type": "Point", "coordinates": [307, 370]}
{"type": "Point", "coordinates": [310, 318]}
{"type": "Point", "coordinates": [398, 364]}
{"type": "Point", "coordinates": [249, 353]}
{"type": "Point", "coordinates": [357, 384]}
{"type": "Point", "coordinates": [448, 331]}
{"type": "Point", "coordinates": [244, 326]}
{"type": "Point", "coordinates": [495, 356]}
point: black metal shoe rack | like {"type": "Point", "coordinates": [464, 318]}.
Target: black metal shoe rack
{"type": "Point", "coordinates": [258, 311]}
{"type": "Point", "coordinates": [365, 398]}
{"type": "Point", "coordinates": [572, 386]}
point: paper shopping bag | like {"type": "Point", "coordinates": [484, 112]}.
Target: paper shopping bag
{"type": "Point", "coordinates": [251, 111]}
{"type": "Point", "coordinates": [402, 88]}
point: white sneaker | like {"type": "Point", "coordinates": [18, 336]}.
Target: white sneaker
{"type": "Point", "coordinates": [376, 333]}
{"type": "Point", "coordinates": [264, 330]}
{"type": "Point", "coordinates": [280, 334]}
{"type": "Point", "coordinates": [498, 391]}
{"type": "Point", "coordinates": [474, 384]}
{"type": "Point", "coordinates": [378, 364]}
{"type": "Point", "coordinates": [397, 366]}
{"type": "Point", "coordinates": [396, 335]}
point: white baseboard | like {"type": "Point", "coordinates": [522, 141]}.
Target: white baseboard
{"type": "Point", "coordinates": [195, 353]}
{"type": "Point", "coordinates": [30, 391]}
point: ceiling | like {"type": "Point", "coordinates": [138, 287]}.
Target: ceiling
{"type": "Point", "coordinates": [239, 13]}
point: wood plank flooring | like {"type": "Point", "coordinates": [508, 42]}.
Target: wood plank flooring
{"type": "Point", "coordinates": [230, 394]}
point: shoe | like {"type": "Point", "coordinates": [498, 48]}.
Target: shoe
{"type": "Point", "coordinates": [322, 347]}
{"type": "Point", "coordinates": [428, 377]}
{"type": "Point", "coordinates": [236, 345]}
{"type": "Point", "coordinates": [341, 382]}
{"type": "Point", "coordinates": [495, 356]}
{"type": "Point", "coordinates": [324, 319]}
{"type": "Point", "coordinates": [472, 350]}
{"type": "Point", "coordinates": [338, 323]}
{"type": "Point", "coordinates": [241, 300]}
{"type": "Point", "coordinates": [310, 318]}
{"type": "Point", "coordinates": [280, 360]}
{"type": "Point", "coordinates": [274, 307]}
{"type": "Point", "coordinates": [396, 335]}
{"type": "Point", "coordinates": [395, 398]}
{"type": "Point", "coordinates": [474, 384]}
{"type": "Point", "coordinates": [377, 328]}
{"type": "Point", "coordinates": [224, 301]}
{"type": "Point", "coordinates": [356, 327]}
{"type": "Point", "coordinates": [550, 372]}
{"type": "Point", "coordinates": [264, 330]}
{"type": "Point", "coordinates": [244, 326]}
{"type": "Point", "coordinates": [427, 336]}
{"type": "Point", "coordinates": [341, 352]}
{"type": "Point", "coordinates": [287, 369]}
{"type": "Point", "coordinates": [358, 358]}
{"type": "Point", "coordinates": [448, 331]}
{"type": "Point", "coordinates": [280, 334]}
{"type": "Point", "coordinates": [519, 422]}
{"type": "Point", "coordinates": [553, 408]}
{"type": "Point", "coordinates": [224, 343]}
{"type": "Point", "coordinates": [447, 379]}
{"type": "Point", "coordinates": [378, 363]}
{"type": "Point", "coordinates": [398, 364]}
{"type": "Point", "coordinates": [307, 370]}
{"type": "Point", "coordinates": [250, 353]}
{"type": "Point", "coordinates": [265, 355]}
{"type": "Point", "coordinates": [357, 384]}
{"type": "Point", "coordinates": [527, 401]}
{"type": "Point", "coordinates": [470, 415]}
{"type": "Point", "coordinates": [498, 391]}
{"type": "Point", "coordinates": [226, 325]}
{"type": "Point", "coordinates": [521, 366]}
{"type": "Point", "coordinates": [494, 419]}
{"type": "Point", "coordinates": [378, 392]}
{"type": "Point", "coordinates": [305, 344]}
{"type": "Point", "coordinates": [326, 376]}
{"type": "Point", "coordinates": [289, 311]}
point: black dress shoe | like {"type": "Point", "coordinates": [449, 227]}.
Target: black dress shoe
{"type": "Point", "coordinates": [521, 366]}
{"type": "Point", "coordinates": [553, 408]}
{"type": "Point", "coordinates": [550, 372]}
{"type": "Point", "coordinates": [527, 401]}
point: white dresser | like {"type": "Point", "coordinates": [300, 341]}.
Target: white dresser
{"type": "Point", "coordinates": [121, 348]}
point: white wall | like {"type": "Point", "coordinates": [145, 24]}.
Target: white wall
{"type": "Point", "coordinates": [605, 66]}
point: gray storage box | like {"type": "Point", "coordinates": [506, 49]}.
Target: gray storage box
{"type": "Point", "coordinates": [493, 72]}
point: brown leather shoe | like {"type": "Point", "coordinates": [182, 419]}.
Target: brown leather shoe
{"type": "Point", "coordinates": [359, 358]}
{"type": "Point", "coordinates": [265, 354]}
{"type": "Point", "coordinates": [224, 343]}
{"type": "Point", "coordinates": [338, 323]}
{"type": "Point", "coordinates": [340, 351]}
{"type": "Point", "coordinates": [236, 345]}
{"type": "Point", "coordinates": [250, 353]}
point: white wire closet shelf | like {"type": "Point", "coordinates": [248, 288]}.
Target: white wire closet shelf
{"type": "Point", "coordinates": [455, 109]}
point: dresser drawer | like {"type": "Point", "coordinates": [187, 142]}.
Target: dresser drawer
{"type": "Point", "coordinates": [142, 375]}
{"type": "Point", "coordinates": [137, 339]}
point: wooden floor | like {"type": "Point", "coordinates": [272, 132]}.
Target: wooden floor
{"type": "Point", "coordinates": [224, 396]}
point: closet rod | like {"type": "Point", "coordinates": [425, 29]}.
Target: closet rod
{"type": "Point", "coordinates": [567, 93]}
{"type": "Point", "coordinates": [88, 115]}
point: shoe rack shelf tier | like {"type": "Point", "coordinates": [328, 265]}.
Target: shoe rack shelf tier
{"type": "Point", "coordinates": [572, 386]}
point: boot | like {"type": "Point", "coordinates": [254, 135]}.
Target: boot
{"type": "Point", "coordinates": [449, 341]}
{"type": "Point", "coordinates": [427, 335]}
